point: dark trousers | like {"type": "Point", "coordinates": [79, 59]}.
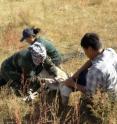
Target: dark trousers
{"type": "Point", "coordinates": [86, 107]}
{"type": "Point", "coordinates": [2, 81]}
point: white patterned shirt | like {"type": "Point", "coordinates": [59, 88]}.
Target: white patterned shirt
{"type": "Point", "coordinates": [103, 72]}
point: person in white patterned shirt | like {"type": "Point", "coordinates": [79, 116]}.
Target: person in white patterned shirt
{"type": "Point", "coordinates": [99, 71]}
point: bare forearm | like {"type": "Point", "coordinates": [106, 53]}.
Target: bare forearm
{"type": "Point", "coordinates": [71, 83]}
{"type": "Point", "coordinates": [80, 88]}
{"type": "Point", "coordinates": [85, 66]}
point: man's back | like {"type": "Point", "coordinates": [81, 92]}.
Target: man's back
{"type": "Point", "coordinates": [104, 71]}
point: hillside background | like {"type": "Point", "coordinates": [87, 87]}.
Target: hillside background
{"type": "Point", "coordinates": [62, 21]}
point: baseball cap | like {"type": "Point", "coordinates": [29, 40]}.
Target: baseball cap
{"type": "Point", "coordinates": [27, 33]}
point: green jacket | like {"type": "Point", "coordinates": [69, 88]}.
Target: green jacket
{"type": "Point", "coordinates": [52, 52]}
{"type": "Point", "coordinates": [21, 62]}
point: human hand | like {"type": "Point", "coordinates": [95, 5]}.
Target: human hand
{"type": "Point", "coordinates": [31, 96]}
{"type": "Point", "coordinates": [49, 80]}
{"type": "Point", "coordinates": [51, 84]}
{"type": "Point", "coordinates": [59, 79]}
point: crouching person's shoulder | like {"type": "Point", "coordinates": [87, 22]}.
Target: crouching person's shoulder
{"type": "Point", "coordinates": [24, 52]}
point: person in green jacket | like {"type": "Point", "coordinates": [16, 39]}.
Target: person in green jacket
{"type": "Point", "coordinates": [30, 36]}
{"type": "Point", "coordinates": [26, 64]}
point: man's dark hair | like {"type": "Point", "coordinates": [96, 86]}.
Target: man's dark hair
{"type": "Point", "coordinates": [91, 40]}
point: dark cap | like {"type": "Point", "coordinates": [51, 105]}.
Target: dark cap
{"type": "Point", "coordinates": [27, 33]}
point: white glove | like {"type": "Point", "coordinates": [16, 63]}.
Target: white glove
{"type": "Point", "coordinates": [31, 96]}
{"type": "Point", "coordinates": [59, 79]}
{"type": "Point", "coordinates": [50, 81]}
{"type": "Point", "coordinates": [51, 84]}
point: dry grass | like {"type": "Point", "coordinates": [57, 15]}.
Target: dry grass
{"type": "Point", "coordinates": [65, 22]}
{"type": "Point", "coordinates": [62, 21]}
{"type": "Point", "coordinates": [42, 111]}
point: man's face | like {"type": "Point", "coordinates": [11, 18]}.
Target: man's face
{"type": "Point", "coordinates": [89, 52]}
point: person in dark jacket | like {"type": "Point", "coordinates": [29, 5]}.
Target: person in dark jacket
{"type": "Point", "coordinates": [26, 64]}
{"type": "Point", "coordinates": [30, 36]}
